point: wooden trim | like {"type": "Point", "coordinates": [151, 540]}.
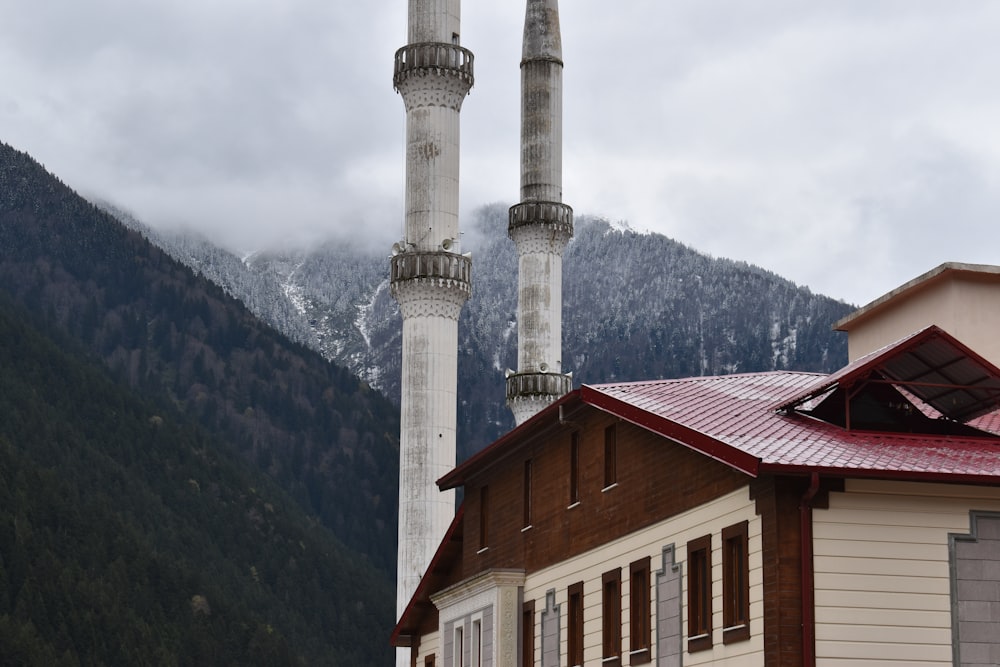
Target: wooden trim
{"type": "Point", "coordinates": [611, 617]}
{"type": "Point", "coordinates": [574, 625]}
{"type": "Point", "coordinates": [526, 496]}
{"type": "Point", "coordinates": [699, 570]}
{"type": "Point", "coordinates": [735, 583]}
{"type": "Point", "coordinates": [528, 633]}
{"type": "Point", "coordinates": [484, 517]}
{"type": "Point", "coordinates": [574, 468]}
{"type": "Point", "coordinates": [610, 455]}
{"type": "Point", "coordinates": [640, 613]}
{"type": "Point", "coordinates": [777, 500]}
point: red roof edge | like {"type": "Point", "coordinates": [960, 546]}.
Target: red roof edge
{"type": "Point", "coordinates": [498, 448]}
{"type": "Point", "coordinates": [870, 473]}
{"type": "Point", "coordinates": [398, 639]}
{"type": "Point", "coordinates": [707, 445]}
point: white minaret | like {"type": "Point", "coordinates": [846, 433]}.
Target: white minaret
{"type": "Point", "coordinates": [430, 280]}
{"type": "Point", "coordinates": [541, 225]}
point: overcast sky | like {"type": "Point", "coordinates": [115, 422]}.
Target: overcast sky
{"type": "Point", "coordinates": [848, 145]}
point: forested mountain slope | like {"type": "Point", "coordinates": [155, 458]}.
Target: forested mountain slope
{"type": "Point", "coordinates": [313, 427]}
{"type": "Point", "coordinates": [131, 536]}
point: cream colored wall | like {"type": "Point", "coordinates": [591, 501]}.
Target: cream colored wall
{"type": "Point", "coordinates": [589, 567]}
{"type": "Point", "coordinates": [883, 595]}
{"type": "Point", "coordinates": [430, 644]}
{"type": "Point", "coordinates": [967, 309]}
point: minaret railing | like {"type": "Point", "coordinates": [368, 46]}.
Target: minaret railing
{"type": "Point", "coordinates": [555, 214]}
{"type": "Point", "coordinates": [547, 385]}
{"type": "Point", "coordinates": [436, 265]}
{"type": "Point", "coordinates": [425, 58]}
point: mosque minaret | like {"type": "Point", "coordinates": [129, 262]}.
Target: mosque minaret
{"type": "Point", "coordinates": [430, 279]}
{"type": "Point", "coordinates": [541, 225]}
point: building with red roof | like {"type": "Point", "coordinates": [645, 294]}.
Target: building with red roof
{"type": "Point", "coordinates": [758, 519]}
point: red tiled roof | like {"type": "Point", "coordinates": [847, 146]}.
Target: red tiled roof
{"type": "Point", "coordinates": [747, 421]}
{"type": "Point", "coordinates": [732, 419]}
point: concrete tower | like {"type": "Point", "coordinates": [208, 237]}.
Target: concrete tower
{"type": "Point", "coordinates": [429, 278]}
{"type": "Point", "coordinates": [541, 225]}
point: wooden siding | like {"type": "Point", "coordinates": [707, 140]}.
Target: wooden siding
{"type": "Point", "coordinates": [589, 567]}
{"type": "Point", "coordinates": [656, 479]}
{"type": "Point", "coordinates": [881, 562]}
{"type": "Point", "coordinates": [778, 502]}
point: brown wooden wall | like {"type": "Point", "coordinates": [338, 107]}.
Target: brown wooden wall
{"type": "Point", "coordinates": [657, 479]}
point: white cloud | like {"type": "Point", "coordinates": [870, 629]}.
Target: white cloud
{"type": "Point", "coordinates": [849, 145]}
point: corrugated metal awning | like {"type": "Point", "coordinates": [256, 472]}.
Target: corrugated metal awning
{"type": "Point", "coordinates": [930, 364]}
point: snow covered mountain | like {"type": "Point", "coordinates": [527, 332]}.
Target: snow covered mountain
{"type": "Point", "coordinates": [636, 306]}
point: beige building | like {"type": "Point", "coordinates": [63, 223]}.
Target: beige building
{"type": "Point", "coordinates": [962, 299]}
{"type": "Point", "coordinates": [759, 519]}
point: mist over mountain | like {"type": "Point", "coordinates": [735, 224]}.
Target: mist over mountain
{"type": "Point", "coordinates": [193, 444]}
{"type": "Point", "coordinates": [635, 306]}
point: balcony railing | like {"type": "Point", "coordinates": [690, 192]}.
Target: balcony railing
{"type": "Point", "coordinates": [435, 57]}
{"type": "Point", "coordinates": [541, 212]}
{"type": "Point", "coordinates": [538, 384]}
{"type": "Point", "coordinates": [439, 264]}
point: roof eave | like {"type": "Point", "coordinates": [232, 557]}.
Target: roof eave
{"type": "Point", "coordinates": [401, 636]}
{"type": "Point", "coordinates": [705, 444]}
{"type": "Point", "coordinates": [983, 479]}
{"type": "Point", "coordinates": [508, 443]}
{"type": "Point", "coordinates": [922, 281]}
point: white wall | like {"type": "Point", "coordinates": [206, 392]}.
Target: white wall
{"type": "Point", "coordinates": [711, 518]}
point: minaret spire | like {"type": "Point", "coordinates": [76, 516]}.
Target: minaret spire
{"type": "Point", "coordinates": [541, 225]}
{"type": "Point", "coordinates": [430, 279]}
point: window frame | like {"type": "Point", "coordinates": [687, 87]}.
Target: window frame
{"type": "Point", "coordinates": [735, 583]}
{"type": "Point", "coordinates": [699, 593]}
{"type": "Point", "coordinates": [574, 468]}
{"type": "Point", "coordinates": [528, 633]}
{"type": "Point", "coordinates": [476, 657]}
{"type": "Point", "coordinates": [484, 518]}
{"type": "Point", "coordinates": [610, 456]}
{"type": "Point", "coordinates": [611, 618]}
{"type": "Point", "coordinates": [640, 612]}
{"type": "Point", "coordinates": [574, 625]}
{"type": "Point", "coordinates": [526, 497]}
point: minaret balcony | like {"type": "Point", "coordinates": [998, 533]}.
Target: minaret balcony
{"type": "Point", "coordinates": [552, 214]}
{"type": "Point", "coordinates": [433, 266]}
{"type": "Point", "coordinates": [438, 58]}
{"type": "Point", "coordinates": [521, 385]}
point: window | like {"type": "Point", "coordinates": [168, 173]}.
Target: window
{"type": "Point", "coordinates": [429, 661]}
{"type": "Point", "coordinates": [610, 456]}
{"type": "Point", "coordinates": [735, 584]}
{"type": "Point", "coordinates": [484, 517]}
{"type": "Point", "coordinates": [459, 647]}
{"type": "Point", "coordinates": [477, 643]}
{"type": "Point", "coordinates": [528, 633]}
{"type": "Point", "coordinates": [699, 555]}
{"type": "Point", "coordinates": [611, 614]}
{"type": "Point", "coordinates": [640, 622]}
{"type": "Point", "coordinates": [574, 469]}
{"type": "Point", "coordinates": [575, 624]}
{"type": "Point", "coordinates": [527, 493]}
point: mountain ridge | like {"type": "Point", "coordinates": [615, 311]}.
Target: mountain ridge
{"type": "Point", "coordinates": [637, 305]}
